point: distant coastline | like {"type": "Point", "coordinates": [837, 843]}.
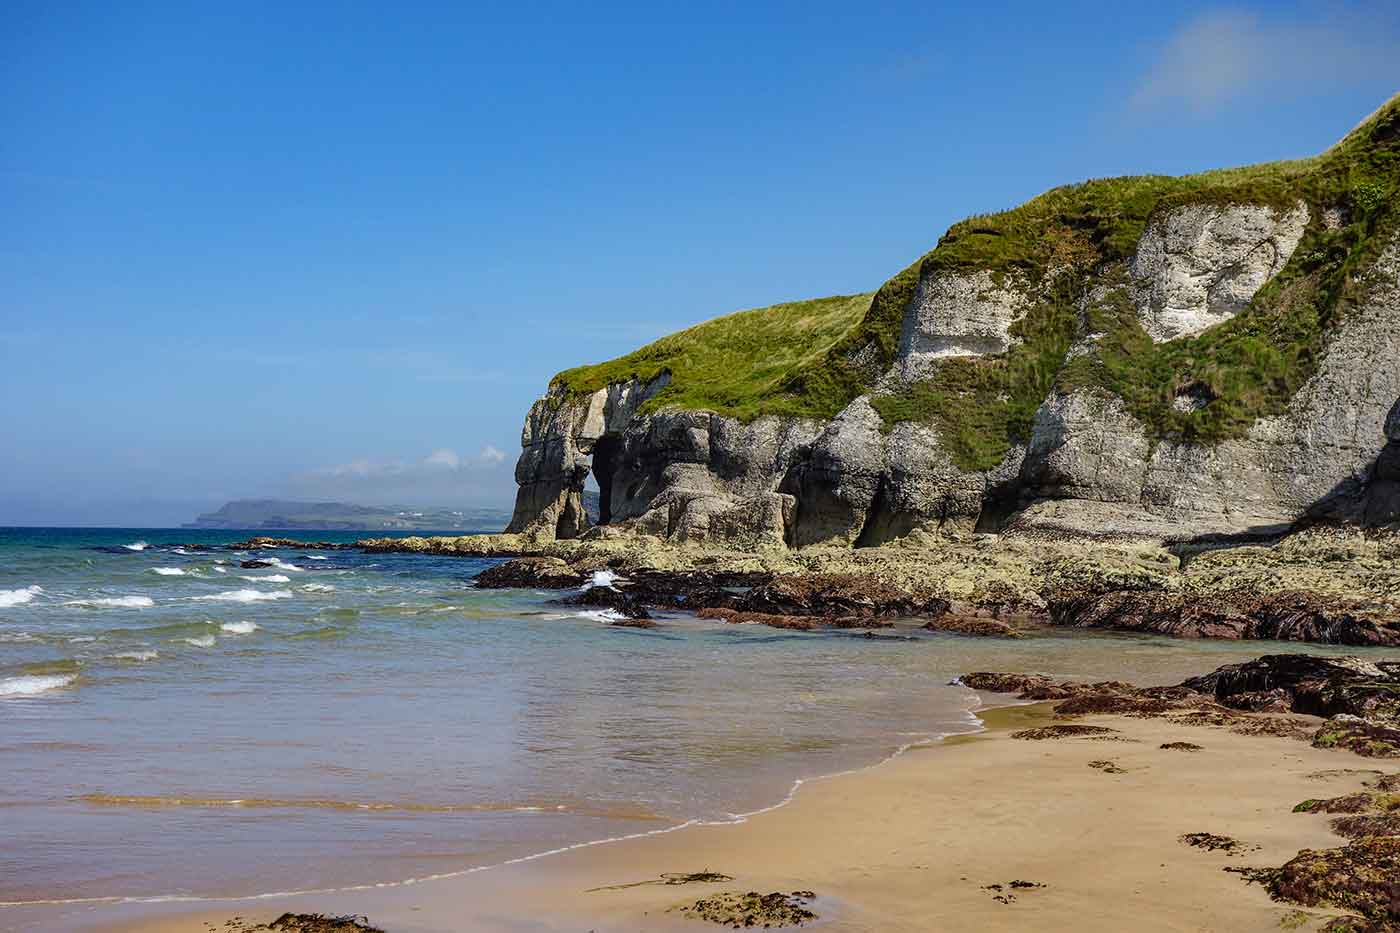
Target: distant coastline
{"type": "Point", "coordinates": [289, 515]}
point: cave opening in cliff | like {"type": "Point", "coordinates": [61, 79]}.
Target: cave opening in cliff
{"type": "Point", "coordinates": [604, 465]}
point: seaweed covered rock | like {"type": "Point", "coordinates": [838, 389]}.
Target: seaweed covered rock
{"type": "Point", "coordinates": [752, 909]}
{"type": "Point", "coordinates": [797, 623]}
{"type": "Point", "coordinates": [544, 573]}
{"type": "Point", "coordinates": [1369, 739]}
{"type": "Point", "coordinates": [837, 595]}
{"type": "Point", "coordinates": [1026, 686]}
{"type": "Point", "coordinates": [1079, 699]}
{"type": "Point", "coordinates": [1363, 877]}
{"type": "Point", "coordinates": [1237, 614]}
{"type": "Point", "coordinates": [980, 626]}
{"type": "Point", "coordinates": [1311, 684]}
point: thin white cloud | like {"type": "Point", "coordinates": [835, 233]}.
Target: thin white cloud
{"type": "Point", "coordinates": [1223, 55]}
{"type": "Point", "coordinates": [356, 468]}
{"type": "Point", "coordinates": [444, 458]}
{"type": "Point", "coordinates": [491, 454]}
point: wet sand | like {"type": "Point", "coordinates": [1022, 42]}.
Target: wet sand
{"type": "Point", "coordinates": [916, 843]}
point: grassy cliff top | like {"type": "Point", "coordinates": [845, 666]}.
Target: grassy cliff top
{"type": "Point", "coordinates": [730, 364]}
{"type": "Point", "coordinates": [812, 358]}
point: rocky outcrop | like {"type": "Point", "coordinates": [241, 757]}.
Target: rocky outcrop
{"type": "Point", "coordinates": [559, 436]}
{"type": "Point", "coordinates": [1090, 468]}
{"type": "Point", "coordinates": [1304, 683]}
{"type": "Point", "coordinates": [1176, 360]}
{"type": "Point", "coordinates": [1200, 264]}
{"type": "Point", "coordinates": [545, 573]}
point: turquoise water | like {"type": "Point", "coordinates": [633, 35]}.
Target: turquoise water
{"type": "Point", "coordinates": [173, 724]}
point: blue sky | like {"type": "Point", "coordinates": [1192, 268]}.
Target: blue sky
{"type": "Point", "coordinates": [335, 251]}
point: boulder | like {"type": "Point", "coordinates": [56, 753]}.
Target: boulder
{"type": "Point", "coordinates": [1319, 686]}
{"type": "Point", "coordinates": [543, 573]}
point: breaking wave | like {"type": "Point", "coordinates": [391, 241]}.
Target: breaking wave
{"type": "Point", "coordinates": [136, 546]}
{"type": "Point", "coordinates": [603, 615]}
{"type": "Point", "coordinates": [30, 684]}
{"type": "Point", "coordinates": [201, 641]}
{"type": "Point", "coordinates": [136, 655]}
{"type": "Point", "coordinates": [239, 628]}
{"type": "Point", "coordinates": [19, 596]}
{"type": "Point", "coordinates": [115, 602]}
{"type": "Point", "coordinates": [603, 578]}
{"type": "Point", "coordinates": [246, 596]}
{"type": "Point", "coordinates": [270, 578]}
{"type": "Point", "coordinates": [168, 571]}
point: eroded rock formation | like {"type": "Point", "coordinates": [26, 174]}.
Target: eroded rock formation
{"type": "Point", "coordinates": [1104, 455]}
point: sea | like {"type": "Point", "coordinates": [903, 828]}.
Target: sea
{"type": "Point", "coordinates": [176, 726]}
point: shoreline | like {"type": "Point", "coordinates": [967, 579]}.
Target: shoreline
{"type": "Point", "coordinates": [974, 713]}
{"type": "Point", "coordinates": [955, 798]}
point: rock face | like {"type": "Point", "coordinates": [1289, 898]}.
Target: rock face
{"type": "Point", "coordinates": [1382, 497]}
{"type": "Point", "coordinates": [1200, 264]}
{"type": "Point", "coordinates": [558, 437]}
{"type": "Point", "coordinates": [1093, 468]}
{"type": "Point", "coordinates": [958, 315]}
{"type": "Point", "coordinates": [1089, 467]}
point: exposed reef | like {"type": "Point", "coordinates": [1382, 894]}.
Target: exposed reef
{"type": "Point", "coordinates": [1318, 585]}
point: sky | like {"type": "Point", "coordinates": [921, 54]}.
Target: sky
{"type": "Point", "coordinates": [334, 250]}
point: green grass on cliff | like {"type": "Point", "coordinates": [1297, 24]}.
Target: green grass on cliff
{"type": "Point", "coordinates": [730, 364]}
{"type": "Point", "coordinates": [1060, 244]}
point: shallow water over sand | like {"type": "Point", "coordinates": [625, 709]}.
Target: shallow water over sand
{"type": "Point", "coordinates": [338, 718]}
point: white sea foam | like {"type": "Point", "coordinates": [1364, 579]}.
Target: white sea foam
{"type": "Point", "coordinates": [270, 578]}
{"type": "Point", "coordinates": [19, 596]}
{"type": "Point", "coordinates": [221, 570]}
{"type": "Point", "coordinates": [283, 565]}
{"type": "Point", "coordinates": [604, 578]}
{"type": "Point", "coordinates": [201, 641]}
{"type": "Point", "coordinates": [168, 571]}
{"type": "Point", "coordinates": [239, 628]}
{"type": "Point", "coordinates": [115, 602]}
{"type": "Point", "coordinates": [136, 655]}
{"type": "Point", "coordinates": [319, 588]}
{"type": "Point", "coordinates": [602, 615]}
{"type": "Point", "coordinates": [136, 546]}
{"type": "Point", "coordinates": [316, 557]}
{"type": "Point", "coordinates": [246, 596]}
{"type": "Point", "coordinates": [30, 684]}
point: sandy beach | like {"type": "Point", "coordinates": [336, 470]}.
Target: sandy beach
{"type": "Point", "coordinates": [921, 842]}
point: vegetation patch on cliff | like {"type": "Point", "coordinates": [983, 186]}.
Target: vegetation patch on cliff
{"type": "Point", "coordinates": [731, 364]}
